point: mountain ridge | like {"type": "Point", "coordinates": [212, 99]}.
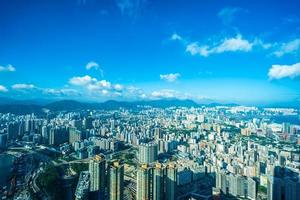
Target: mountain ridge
{"type": "Point", "coordinates": [16, 107]}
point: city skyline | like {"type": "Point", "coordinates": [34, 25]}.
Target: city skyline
{"type": "Point", "coordinates": [233, 51]}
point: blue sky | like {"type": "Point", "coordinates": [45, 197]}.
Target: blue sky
{"type": "Point", "coordinates": [229, 51]}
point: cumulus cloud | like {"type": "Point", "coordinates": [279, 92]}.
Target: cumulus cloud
{"type": "Point", "coordinates": [95, 87]}
{"type": "Point", "coordinates": [194, 48]}
{"type": "Point", "coordinates": [169, 77]}
{"type": "Point", "coordinates": [175, 36]}
{"type": "Point", "coordinates": [284, 71]}
{"type": "Point", "coordinates": [118, 87]}
{"type": "Point", "coordinates": [233, 44]}
{"type": "Point", "coordinates": [288, 48]}
{"type": "Point", "coordinates": [104, 84]}
{"type": "Point", "coordinates": [236, 43]}
{"type": "Point", "coordinates": [94, 65]}
{"type": "Point", "coordinates": [227, 14]}
{"type": "Point", "coordinates": [22, 86]}
{"type": "Point", "coordinates": [3, 88]}
{"type": "Point", "coordinates": [8, 68]}
{"type": "Point", "coordinates": [91, 65]}
{"type": "Point", "coordinates": [105, 92]}
{"type": "Point", "coordinates": [81, 81]}
{"type": "Point", "coordinates": [98, 85]}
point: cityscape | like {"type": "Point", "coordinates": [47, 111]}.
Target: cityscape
{"type": "Point", "coordinates": [149, 100]}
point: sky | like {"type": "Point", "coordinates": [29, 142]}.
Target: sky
{"type": "Point", "coordinates": [94, 50]}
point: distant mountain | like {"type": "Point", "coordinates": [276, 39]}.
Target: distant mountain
{"type": "Point", "coordinates": [112, 104]}
{"type": "Point", "coordinates": [11, 101]}
{"type": "Point", "coordinates": [67, 105]}
{"type": "Point", "coordinates": [15, 107]}
{"type": "Point", "coordinates": [9, 105]}
{"type": "Point", "coordinates": [164, 103]}
{"type": "Point", "coordinates": [5, 100]}
{"type": "Point", "coordinates": [21, 109]}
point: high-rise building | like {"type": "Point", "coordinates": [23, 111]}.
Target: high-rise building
{"type": "Point", "coordinates": [82, 189]}
{"type": "Point", "coordinates": [251, 188]}
{"type": "Point", "coordinates": [3, 141]}
{"type": "Point", "coordinates": [292, 188]}
{"type": "Point", "coordinates": [274, 188]}
{"type": "Point", "coordinates": [97, 176]}
{"type": "Point", "coordinates": [287, 188]}
{"type": "Point", "coordinates": [236, 185]}
{"type": "Point", "coordinates": [148, 152]}
{"type": "Point", "coordinates": [158, 182]}
{"type": "Point", "coordinates": [88, 123]}
{"type": "Point", "coordinates": [58, 135]}
{"type": "Point", "coordinates": [12, 130]}
{"type": "Point", "coordinates": [159, 174]}
{"type": "Point", "coordinates": [74, 135]}
{"type": "Point", "coordinates": [171, 182]}
{"type": "Point", "coordinates": [144, 183]}
{"type": "Point", "coordinates": [116, 180]}
{"type": "Point", "coordinates": [45, 134]}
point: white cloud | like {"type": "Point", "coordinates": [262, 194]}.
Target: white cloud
{"type": "Point", "coordinates": [284, 71]}
{"type": "Point", "coordinates": [143, 96]}
{"type": "Point", "coordinates": [118, 87]}
{"type": "Point", "coordinates": [3, 88]}
{"type": "Point", "coordinates": [169, 77]}
{"type": "Point", "coordinates": [288, 48]}
{"type": "Point", "coordinates": [94, 87]}
{"type": "Point", "coordinates": [104, 84]}
{"type": "Point", "coordinates": [81, 81]}
{"type": "Point", "coordinates": [94, 65]}
{"type": "Point", "coordinates": [134, 90]}
{"type": "Point", "coordinates": [8, 68]}
{"type": "Point", "coordinates": [165, 93]}
{"type": "Point", "coordinates": [233, 44]}
{"type": "Point", "coordinates": [61, 92]}
{"type": "Point", "coordinates": [22, 86]}
{"type": "Point", "coordinates": [91, 65]}
{"type": "Point", "coordinates": [105, 92]}
{"type": "Point", "coordinates": [259, 42]}
{"type": "Point", "coordinates": [169, 93]}
{"type": "Point", "coordinates": [98, 85]}
{"type": "Point", "coordinates": [227, 14]}
{"type": "Point", "coordinates": [175, 36]}
{"type": "Point", "coordinates": [194, 48]}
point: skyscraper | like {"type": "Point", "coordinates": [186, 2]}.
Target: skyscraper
{"type": "Point", "coordinates": [12, 130]}
{"type": "Point", "coordinates": [148, 152]}
{"type": "Point", "coordinates": [116, 180]}
{"type": "Point", "coordinates": [58, 135]}
{"type": "Point", "coordinates": [171, 181]}
{"type": "Point", "coordinates": [3, 141]}
{"type": "Point", "coordinates": [97, 176]}
{"type": "Point", "coordinates": [159, 173]}
{"type": "Point", "coordinates": [144, 183]}
{"type": "Point", "coordinates": [156, 183]}
{"type": "Point", "coordinates": [74, 135]}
